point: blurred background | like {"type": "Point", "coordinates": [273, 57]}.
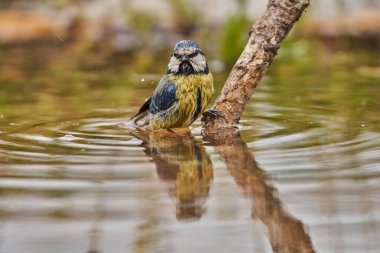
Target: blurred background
{"type": "Point", "coordinates": [92, 31]}
{"type": "Point", "coordinates": [70, 41]}
{"type": "Point", "coordinates": [76, 176]}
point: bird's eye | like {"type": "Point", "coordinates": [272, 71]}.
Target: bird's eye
{"type": "Point", "coordinates": [176, 55]}
{"type": "Point", "coordinates": [193, 54]}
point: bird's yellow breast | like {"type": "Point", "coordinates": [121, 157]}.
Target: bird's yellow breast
{"type": "Point", "coordinates": [188, 89]}
{"type": "Point", "coordinates": [185, 84]}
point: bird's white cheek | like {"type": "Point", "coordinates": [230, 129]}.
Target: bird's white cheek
{"type": "Point", "coordinates": [199, 63]}
{"type": "Point", "coordinates": [173, 64]}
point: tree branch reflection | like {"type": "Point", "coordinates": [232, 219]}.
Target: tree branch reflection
{"type": "Point", "coordinates": [286, 233]}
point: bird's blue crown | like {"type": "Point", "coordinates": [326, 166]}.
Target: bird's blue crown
{"type": "Point", "coordinates": [185, 44]}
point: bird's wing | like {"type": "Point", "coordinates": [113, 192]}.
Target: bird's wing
{"type": "Point", "coordinates": [163, 97]}
{"type": "Point", "coordinates": [143, 110]}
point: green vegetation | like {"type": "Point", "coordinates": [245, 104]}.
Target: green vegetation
{"type": "Point", "coordinates": [234, 37]}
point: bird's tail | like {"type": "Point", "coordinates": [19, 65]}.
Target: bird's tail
{"type": "Point", "coordinates": [142, 112]}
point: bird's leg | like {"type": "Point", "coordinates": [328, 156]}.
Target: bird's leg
{"type": "Point", "coordinates": [180, 132]}
{"type": "Point", "coordinates": [171, 131]}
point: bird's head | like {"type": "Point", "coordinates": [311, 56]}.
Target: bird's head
{"type": "Point", "coordinates": [187, 59]}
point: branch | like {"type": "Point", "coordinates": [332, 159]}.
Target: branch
{"type": "Point", "coordinates": [264, 41]}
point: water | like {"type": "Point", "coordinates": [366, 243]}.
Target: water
{"type": "Point", "coordinates": [302, 174]}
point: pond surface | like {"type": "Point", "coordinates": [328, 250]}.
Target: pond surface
{"type": "Point", "coordinates": [302, 174]}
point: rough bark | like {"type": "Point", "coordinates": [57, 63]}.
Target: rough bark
{"type": "Point", "coordinates": [264, 41]}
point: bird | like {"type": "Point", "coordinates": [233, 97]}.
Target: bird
{"type": "Point", "coordinates": [183, 93]}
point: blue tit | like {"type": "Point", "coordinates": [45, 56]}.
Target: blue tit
{"type": "Point", "coordinates": [183, 92]}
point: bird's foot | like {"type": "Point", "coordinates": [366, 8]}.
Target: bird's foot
{"type": "Point", "coordinates": [212, 114]}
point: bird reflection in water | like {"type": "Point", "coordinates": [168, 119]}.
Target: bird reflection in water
{"type": "Point", "coordinates": [184, 165]}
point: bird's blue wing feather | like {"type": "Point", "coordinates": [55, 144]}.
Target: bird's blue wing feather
{"type": "Point", "coordinates": [163, 98]}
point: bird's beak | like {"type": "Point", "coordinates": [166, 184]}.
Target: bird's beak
{"type": "Point", "coordinates": [186, 67]}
